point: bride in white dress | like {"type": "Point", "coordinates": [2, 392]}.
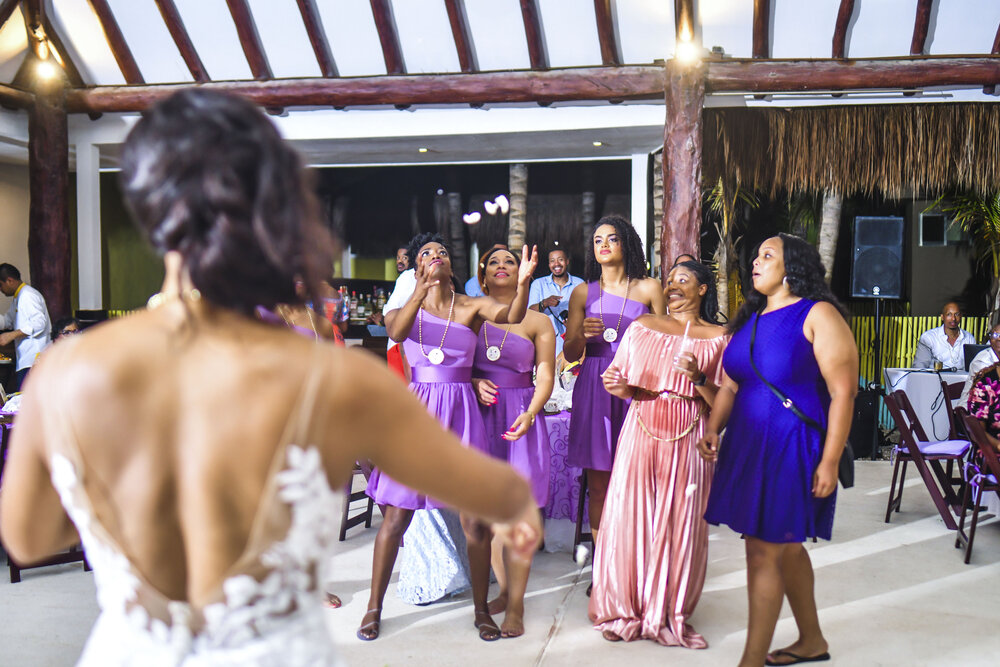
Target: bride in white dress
{"type": "Point", "coordinates": [194, 449]}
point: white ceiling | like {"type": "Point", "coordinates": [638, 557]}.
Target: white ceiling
{"type": "Point", "coordinates": [645, 32]}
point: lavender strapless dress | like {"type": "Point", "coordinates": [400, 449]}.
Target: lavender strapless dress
{"type": "Point", "coordinates": [448, 395]}
{"type": "Point", "coordinates": [529, 454]}
{"type": "Point", "coordinates": [597, 416]}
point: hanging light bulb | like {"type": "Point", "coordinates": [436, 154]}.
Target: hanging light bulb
{"type": "Point", "coordinates": [503, 203]}
{"type": "Point", "coordinates": [472, 218]}
{"type": "Point", "coordinates": [491, 207]}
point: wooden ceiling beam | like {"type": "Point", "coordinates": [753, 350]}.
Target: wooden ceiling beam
{"type": "Point", "coordinates": [780, 76]}
{"type": "Point", "coordinates": [761, 29]}
{"type": "Point", "coordinates": [388, 37]}
{"type": "Point", "coordinates": [317, 37]}
{"type": "Point", "coordinates": [249, 39]}
{"type": "Point", "coordinates": [533, 33]}
{"type": "Point", "coordinates": [15, 98]}
{"type": "Point", "coordinates": [39, 30]}
{"type": "Point", "coordinates": [606, 32]}
{"type": "Point", "coordinates": [460, 31]}
{"type": "Point", "coordinates": [920, 25]}
{"type": "Point", "coordinates": [844, 16]}
{"type": "Point", "coordinates": [6, 9]}
{"type": "Point", "coordinates": [175, 26]}
{"type": "Point", "coordinates": [578, 84]}
{"type": "Point", "coordinates": [116, 40]}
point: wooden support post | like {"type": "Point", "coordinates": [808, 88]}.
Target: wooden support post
{"type": "Point", "coordinates": [388, 37]}
{"type": "Point", "coordinates": [175, 26]}
{"type": "Point", "coordinates": [682, 143]}
{"type": "Point", "coordinates": [606, 32]}
{"type": "Point", "coordinates": [48, 218]}
{"type": "Point", "coordinates": [517, 222]}
{"type": "Point", "coordinates": [460, 33]}
{"type": "Point", "coordinates": [533, 33]}
{"type": "Point", "coordinates": [844, 15]}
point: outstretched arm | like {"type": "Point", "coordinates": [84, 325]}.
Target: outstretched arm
{"type": "Point", "coordinates": [494, 311]}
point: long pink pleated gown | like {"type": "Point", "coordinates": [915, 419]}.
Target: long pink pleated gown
{"type": "Point", "coordinates": [652, 549]}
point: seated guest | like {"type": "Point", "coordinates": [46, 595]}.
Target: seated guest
{"type": "Point", "coordinates": [987, 357]}
{"type": "Point", "coordinates": [984, 401]}
{"type": "Point", "coordinates": [944, 344]}
{"type": "Point", "coordinates": [65, 326]}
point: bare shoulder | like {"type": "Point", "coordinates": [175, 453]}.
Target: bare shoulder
{"type": "Point", "coordinates": [824, 313]}
{"type": "Point", "coordinates": [579, 294]}
{"type": "Point", "coordinates": [538, 323]}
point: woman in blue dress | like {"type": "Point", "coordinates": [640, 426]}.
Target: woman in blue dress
{"type": "Point", "coordinates": [776, 476]}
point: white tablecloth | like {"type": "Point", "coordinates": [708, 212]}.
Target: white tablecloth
{"type": "Point", "coordinates": [923, 388]}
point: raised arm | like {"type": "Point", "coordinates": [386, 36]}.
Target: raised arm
{"type": "Point", "coordinates": [399, 322]}
{"type": "Point", "coordinates": [837, 357]}
{"type": "Point", "coordinates": [494, 311]}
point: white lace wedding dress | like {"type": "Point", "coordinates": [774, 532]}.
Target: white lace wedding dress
{"type": "Point", "coordinates": [267, 611]}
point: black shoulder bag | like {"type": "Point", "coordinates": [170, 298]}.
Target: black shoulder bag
{"type": "Point", "coordinates": [845, 470]}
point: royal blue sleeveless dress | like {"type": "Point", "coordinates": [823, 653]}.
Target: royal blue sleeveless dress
{"type": "Point", "coordinates": [764, 476]}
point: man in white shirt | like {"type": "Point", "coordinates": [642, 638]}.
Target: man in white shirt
{"type": "Point", "coordinates": [550, 295]}
{"type": "Point", "coordinates": [27, 319]}
{"type": "Point", "coordinates": [401, 291]}
{"type": "Point", "coordinates": [984, 359]}
{"type": "Point", "coordinates": [946, 343]}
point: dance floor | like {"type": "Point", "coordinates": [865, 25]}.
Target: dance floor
{"type": "Point", "coordinates": [888, 594]}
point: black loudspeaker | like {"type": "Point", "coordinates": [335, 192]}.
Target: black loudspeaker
{"type": "Point", "coordinates": [877, 271]}
{"type": "Point", "coordinates": [863, 434]}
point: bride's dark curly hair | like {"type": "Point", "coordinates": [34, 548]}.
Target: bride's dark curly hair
{"type": "Point", "coordinates": [635, 260]}
{"type": "Point", "coordinates": [805, 273]}
{"type": "Point", "coordinates": [206, 174]}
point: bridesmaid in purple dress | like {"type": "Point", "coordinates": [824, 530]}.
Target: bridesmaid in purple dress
{"type": "Point", "coordinates": [438, 330]}
{"type": "Point", "coordinates": [616, 292]}
{"type": "Point", "coordinates": [510, 404]}
{"type": "Point", "coordinates": [776, 477]}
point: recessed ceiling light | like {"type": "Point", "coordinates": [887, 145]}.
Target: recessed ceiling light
{"type": "Point", "coordinates": [421, 150]}
{"type": "Point", "coordinates": [598, 143]}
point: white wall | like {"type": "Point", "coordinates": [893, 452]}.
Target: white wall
{"type": "Point", "coordinates": [14, 221]}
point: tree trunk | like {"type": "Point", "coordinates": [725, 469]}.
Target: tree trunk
{"type": "Point", "coordinates": [517, 222]}
{"type": "Point", "coordinates": [588, 218]}
{"type": "Point", "coordinates": [722, 275]}
{"type": "Point", "coordinates": [829, 229]}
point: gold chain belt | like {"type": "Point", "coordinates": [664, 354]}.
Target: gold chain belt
{"type": "Point", "coordinates": [686, 432]}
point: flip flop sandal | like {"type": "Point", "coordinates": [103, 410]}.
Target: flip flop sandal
{"type": "Point", "coordinates": [373, 626]}
{"type": "Point", "coordinates": [488, 630]}
{"type": "Point", "coordinates": [796, 659]}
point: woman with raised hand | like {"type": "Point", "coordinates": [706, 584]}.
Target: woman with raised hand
{"type": "Point", "coordinates": [437, 327]}
{"type": "Point", "coordinates": [616, 292]}
{"type": "Point", "coordinates": [511, 404]}
{"type": "Point", "coordinates": [649, 565]}
{"type": "Point", "coordinates": [194, 448]}
{"type": "Point", "coordinates": [776, 477]}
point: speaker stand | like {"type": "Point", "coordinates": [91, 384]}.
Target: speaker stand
{"type": "Point", "coordinates": [877, 384]}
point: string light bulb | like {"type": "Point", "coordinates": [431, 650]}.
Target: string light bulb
{"type": "Point", "coordinates": [47, 70]}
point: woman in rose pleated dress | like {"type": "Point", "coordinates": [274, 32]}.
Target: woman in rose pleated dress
{"type": "Point", "coordinates": [652, 550]}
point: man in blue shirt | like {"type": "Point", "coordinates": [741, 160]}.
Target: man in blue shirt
{"type": "Point", "coordinates": [550, 295]}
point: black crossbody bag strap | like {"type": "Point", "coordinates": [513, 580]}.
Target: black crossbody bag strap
{"type": "Point", "coordinates": [785, 401]}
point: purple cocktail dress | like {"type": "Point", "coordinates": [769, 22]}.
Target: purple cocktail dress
{"type": "Point", "coordinates": [597, 416]}
{"type": "Point", "coordinates": [764, 475]}
{"type": "Point", "coordinates": [448, 395]}
{"type": "Point", "coordinates": [529, 454]}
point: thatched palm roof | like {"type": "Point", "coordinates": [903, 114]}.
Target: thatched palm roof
{"type": "Point", "coordinates": [894, 150]}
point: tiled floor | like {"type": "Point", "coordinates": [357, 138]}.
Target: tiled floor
{"type": "Point", "coordinates": [889, 594]}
